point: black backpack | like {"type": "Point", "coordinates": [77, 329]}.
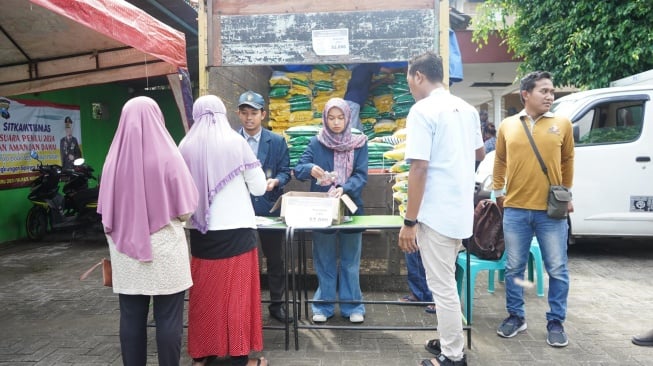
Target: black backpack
{"type": "Point", "coordinates": [487, 237]}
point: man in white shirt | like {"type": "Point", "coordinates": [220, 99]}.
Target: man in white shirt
{"type": "Point", "coordinates": [442, 144]}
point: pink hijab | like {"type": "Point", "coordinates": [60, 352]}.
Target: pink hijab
{"type": "Point", "coordinates": [342, 144]}
{"type": "Point", "coordinates": [214, 153]}
{"type": "Point", "coordinates": [145, 183]}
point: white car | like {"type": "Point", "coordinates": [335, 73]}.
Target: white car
{"type": "Point", "coordinates": [613, 171]}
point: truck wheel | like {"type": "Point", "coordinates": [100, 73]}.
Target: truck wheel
{"type": "Point", "coordinates": [36, 224]}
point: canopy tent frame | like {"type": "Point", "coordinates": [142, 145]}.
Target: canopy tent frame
{"type": "Point", "coordinates": [58, 44]}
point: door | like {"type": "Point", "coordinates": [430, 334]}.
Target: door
{"type": "Point", "coordinates": [613, 175]}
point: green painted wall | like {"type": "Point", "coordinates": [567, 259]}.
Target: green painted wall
{"type": "Point", "coordinates": [96, 139]}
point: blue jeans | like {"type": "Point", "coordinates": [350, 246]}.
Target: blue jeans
{"type": "Point", "coordinates": [417, 277]}
{"type": "Point", "coordinates": [325, 261]}
{"type": "Point", "coordinates": [519, 225]}
{"type": "Point", "coordinates": [355, 120]}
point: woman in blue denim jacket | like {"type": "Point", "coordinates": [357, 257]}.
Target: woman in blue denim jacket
{"type": "Point", "coordinates": [336, 162]}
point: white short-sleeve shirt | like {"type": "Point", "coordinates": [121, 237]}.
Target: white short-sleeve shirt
{"type": "Point", "coordinates": [445, 131]}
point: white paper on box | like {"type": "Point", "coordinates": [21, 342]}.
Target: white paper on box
{"type": "Point", "coordinates": [310, 211]}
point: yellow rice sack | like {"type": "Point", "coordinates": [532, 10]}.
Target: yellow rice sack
{"type": "Point", "coordinates": [320, 75]}
{"type": "Point", "coordinates": [395, 154]}
{"type": "Point", "coordinates": [402, 210]}
{"type": "Point", "coordinates": [385, 125]}
{"type": "Point", "coordinates": [341, 74]}
{"type": "Point", "coordinates": [401, 176]}
{"type": "Point", "coordinates": [400, 197]}
{"type": "Point", "coordinates": [300, 116]}
{"type": "Point", "coordinates": [400, 133]}
{"type": "Point", "coordinates": [279, 78]}
{"type": "Point", "coordinates": [400, 166]}
{"type": "Point", "coordinates": [401, 186]}
{"type": "Point", "coordinates": [303, 76]}
{"type": "Point", "coordinates": [383, 103]}
{"type": "Point", "coordinates": [277, 105]}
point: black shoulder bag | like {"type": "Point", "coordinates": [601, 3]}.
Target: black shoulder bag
{"type": "Point", "coordinates": [559, 196]}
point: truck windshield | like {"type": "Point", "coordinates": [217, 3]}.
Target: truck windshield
{"type": "Point", "coordinates": [563, 107]}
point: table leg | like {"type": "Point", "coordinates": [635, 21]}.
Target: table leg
{"type": "Point", "coordinates": [287, 292]}
{"type": "Point", "coordinates": [291, 237]}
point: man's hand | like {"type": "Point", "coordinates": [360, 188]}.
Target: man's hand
{"type": "Point", "coordinates": [271, 183]}
{"type": "Point", "coordinates": [408, 239]}
{"type": "Point", "coordinates": [570, 206]}
{"type": "Point", "coordinates": [500, 202]}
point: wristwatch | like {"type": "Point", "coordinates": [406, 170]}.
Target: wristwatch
{"type": "Point", "coordinates": [410, 223]}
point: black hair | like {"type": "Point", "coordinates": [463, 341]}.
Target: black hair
{"type": "Point", "coordinates": [527, 83]}
{"type": "Point", "coordinates": [68, 120]}
{"type": "Point", "coordinates": [429, 64]}
{"type": "Point", "coordinates": [490, 129]}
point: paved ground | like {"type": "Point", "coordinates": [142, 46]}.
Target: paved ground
{"type": "Point", "coordinates": [49, 317]}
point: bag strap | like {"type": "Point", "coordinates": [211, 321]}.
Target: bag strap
{"type": "Point", "coordinates": [537, 152]}
{"type": "Point", "coordinates": [90, 270]}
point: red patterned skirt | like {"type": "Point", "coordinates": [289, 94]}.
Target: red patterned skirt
{"type": "Point", "coordinates": [224, 312]}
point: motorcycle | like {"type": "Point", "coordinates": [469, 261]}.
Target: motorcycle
{"type": "Point", "coordinates": [75, 209]}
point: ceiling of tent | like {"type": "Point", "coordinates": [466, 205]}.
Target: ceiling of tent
{"type": "Point", "coordinates": [58, 44]}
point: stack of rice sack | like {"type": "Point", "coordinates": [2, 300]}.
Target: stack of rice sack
{"type": "Point", "coordinates": [402, 99]}
{"type": "Point", "coordinates": [401, 167]}
{"type": "Point", "coordinates": [297, 98]}
{"type": "Point", "coordinates": [392, 100]}
{"type": "Point", "coordinates": [400, 192]}
{"type": "Point", "coordinates": [376, 155]}
{"type": "Point", "coordinates": [381, 99]}
{"type": "Point", "coordinates": [368, 114]}
{"type": "Point", "coordinates": [290, 100]}
{"type": "Point", "coordinates": [329, 81]}
{"type": "Point", "coordinates": [298, 138]}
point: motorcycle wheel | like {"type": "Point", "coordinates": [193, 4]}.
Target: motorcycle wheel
{"type": "Point", "coordinates": [36, 224]}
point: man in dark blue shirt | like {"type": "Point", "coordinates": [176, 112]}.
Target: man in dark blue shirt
{"type": "Point", "coordinates": [272, 151]}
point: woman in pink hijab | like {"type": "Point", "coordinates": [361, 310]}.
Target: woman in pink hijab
{"type": "Point", "coordinates": [224, 313]}
{"type": "Point", "coordinates": [145, 195]}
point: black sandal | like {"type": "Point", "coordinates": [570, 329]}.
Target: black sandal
{"type": "Point", "coordinates": [433, 346]}
{"type": "Point", "coordinates": [258, 361]}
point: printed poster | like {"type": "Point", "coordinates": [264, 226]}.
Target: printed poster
{"type": "Point", "coordinates": [52, 130]}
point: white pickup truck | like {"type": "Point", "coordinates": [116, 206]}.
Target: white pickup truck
{"type": "Point", "coordinates": [613, 171]}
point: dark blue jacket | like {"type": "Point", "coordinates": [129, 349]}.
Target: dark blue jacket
{"type": "Point", "coordinates": [322, 156]}
{"type": "Point", "coordinates": [358, 87]}
{"type": "Point", "coordinates": [275, 161]}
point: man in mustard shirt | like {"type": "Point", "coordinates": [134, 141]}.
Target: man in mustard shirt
{"type": "Point", "coordinates": [518, 173]}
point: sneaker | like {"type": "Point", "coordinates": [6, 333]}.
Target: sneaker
{"type": "Point", "coordinates": [556, 336]}
{"type": "Point", "coordinates": [511, 326]}
{"type": "Point", "coordinates": [356, 318]}
{"type": "Point", "coordinates": [319, 318]}
{"type": "Point", "coordinates": [445, 361]}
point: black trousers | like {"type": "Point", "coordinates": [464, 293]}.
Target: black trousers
{"type": "Point", "coordinates": [272, 246]}
{"type": "Point", "coordinates": [168, 316]}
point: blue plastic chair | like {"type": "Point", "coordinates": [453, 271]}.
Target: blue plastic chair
{"type": "Point", "coordinates": [535, 270]}
{"type": "Point", "coordinates": [475, 265]}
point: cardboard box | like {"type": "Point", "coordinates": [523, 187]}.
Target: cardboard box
{"type": "Point", "coordinates": [313, 209]}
